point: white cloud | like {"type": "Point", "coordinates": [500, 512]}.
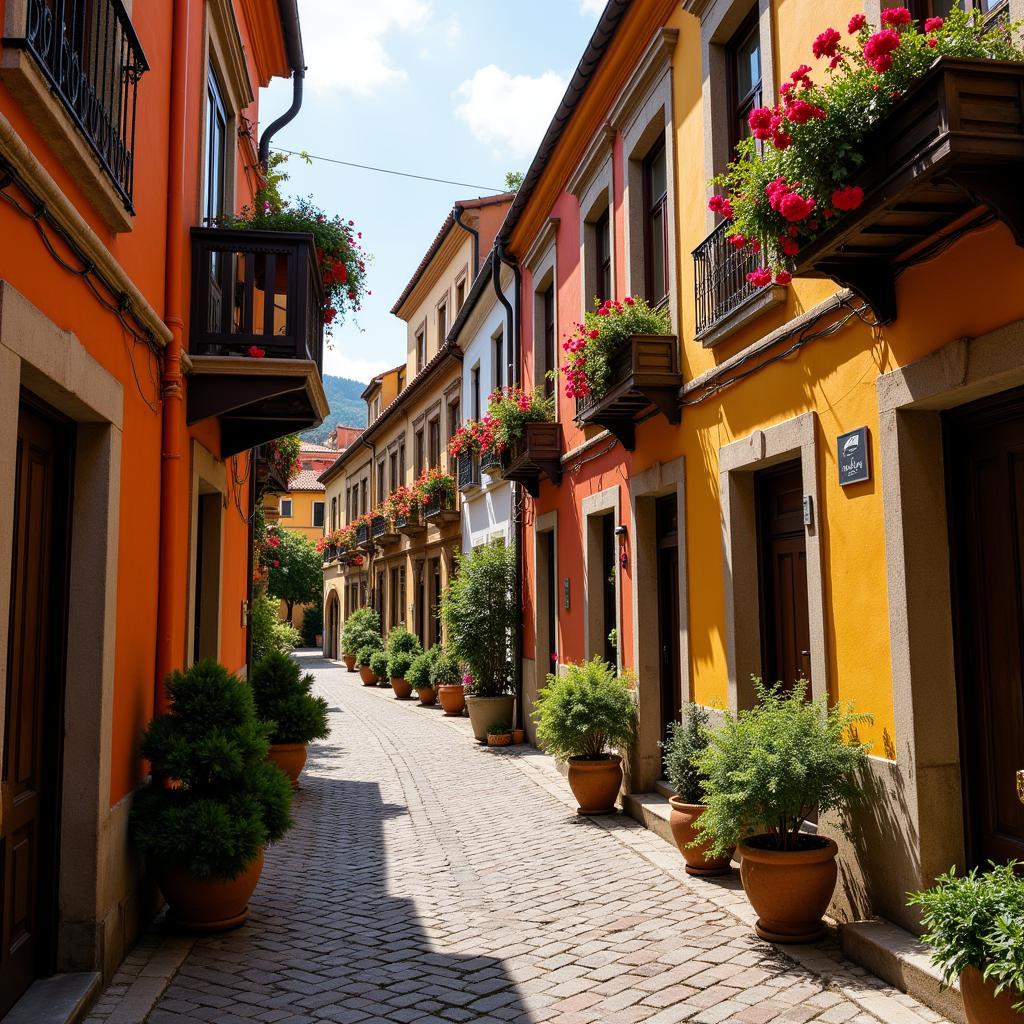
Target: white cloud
{"type": "Point", "coordinates": [509, 111]}
{"type": "Point", "coordinates": [342, 361]}
{"type": "Point", "coordinates": [592, 8]}
{"type": "Point", "coordinates": [350, 54]}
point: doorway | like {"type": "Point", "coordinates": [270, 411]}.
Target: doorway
{"type": "Point", "coordinates": [666, 518]}
{"type": "Point", "coordinates": [609, 569]}
{"type": "Point", "coordinates": [206, 573]}
{"type": "Point", "coordinates": [33, 733]}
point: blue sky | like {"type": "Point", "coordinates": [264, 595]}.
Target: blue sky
{"type": "Point", "coordinates": [446, 88]}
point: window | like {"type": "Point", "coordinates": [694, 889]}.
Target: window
{"type": "Point", "coordinates": [381, 491]}
{"type": "Point", "coordinates": [655, 224]}
{"type": "Point", "coordinates": [421, 349]}
{"type": "Point", "coordinates": [744, 57]}
{"type": "Point", "coordinates": [401, 461]}
{"type": "Point", "coordinates": [460, 293]}
{"type": "Point", "coordinates": [318, 513]}
{"type": "Point", "coordinates": [375, 408]}
{"type": "Point", "coordinates": [434, 429]}
{"type": "Point", "coordinates": [442, 323]}
{"type": "Point", "coordinates": [348, 505]}
{"type": "Point", "coordinates": [474, 376]}
{"type": "Point", "coordinates": [499, 360]}
{"type": "Point", "coordinates": [334, 513]}
{"type": "Point", "coordinates": [603, 255]}
{"type": "Point", "coordinates": [418, 454]}
{"type": "Point", "coordinates": [393, 469]}
{"type": "Point", "coordinates": [547, 299]}
{"type": "Point", "coordinates": [285, 508]}
{"type": "Point", "coordinates": [215, 183]}
{"type": "Point", "coordinates": [454, 421]}
{"type": "Point", "coordinates": [364, 505]}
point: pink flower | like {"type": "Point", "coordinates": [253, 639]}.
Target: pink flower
{"type": "Point", "coordinates": [760, 277]}
{"type": "Point", "coordinates": [794, 206]}
{"type": "Point", "coordinates": [789, 247]}
{"type": "Point", "coordinates": [800, 73]}
{"type": "Point", "coordinates": [826, 43]}
{"type": "Point", "coordinates": [603, 311]}
{"type": "Point", "coordinates": [255, 352]}
{"type": "Point", "coordinates": [715, 202]}
{"type": "Point", "coordinates": [277, 564]}
{"type": "Point", "coordinates": [800, 112]}
{"type": "Point", "coordinates": [857, 22]}
{"type": "Point", "coordinates": [896, 16]}
{"type": "Point", "coordinates": [760, 121]}
{"type": "Point", "coordinates": [783, 277]}
{"type": "Point", "coordinates": [629, 300]}
{"type": "Point", "coordinates": [878, 49]}
{"type": "Point", "coordinates": [467, 680]}
{"type": "Point", "coordinates": [736, 241]}
{"type": "Point", "coordinates": [780, 140]}
{"type": "Point", "coordinates": [727, 210]}
{"type": "Point", "coordinates": [933, 24]}
{"type": "Point", "coordinates": [848, 198]}
{"type": "Point", "coordinates": [932, 42]}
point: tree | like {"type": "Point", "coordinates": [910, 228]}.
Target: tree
{"type": "Point", "coordinates": [295, 572]}
{"type": "Point", "coordinates": [514, 180]}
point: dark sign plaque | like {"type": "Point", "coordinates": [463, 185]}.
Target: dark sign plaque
{"type": "Point", "coordinates": [854, 458]}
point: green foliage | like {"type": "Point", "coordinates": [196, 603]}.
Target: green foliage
{"type": "Point", "coordinates": [444, 669]}
{"type": "Point", "coordinates": [400, 662]}
{"type": "Point", "coordinates": [379, 663]}
{"type": "Point", "coordinates": [586, 711]}
{"type": "Point", "coordinates": [347, 408]}
{"type": "Point", "coordinates": [514, 180]}
{"type": "Point", "coordinates": [480, 615]}
{"type": "Point", "coordinates": [360, 628]}
{"type": "Point", "coordinates": [686, 741]}
{"type": "Point", "coordinates": [368, 650]}
{"type": "Point", "coordinates": [500, 728]}
{"type": "Point", "coordinates": [977, 920]}
{"type": "Point", "coordinates": [295, 571]}
{"type": "Point", "coordinates": [418, 676]}
{"type": "Point", "coordinates": [768, 768]}
{"type": "Point", "coordinates": [508, 411]}
{"type": "Point", "coordinates": [312, 624]}
{"type": "Point", "coordinates": [268, 634]}
{"type": "Point", "coordinates": [284, 699]}
{"type": "Point", "coordinates": [283, 455]}
{"type": "Point", "coordinates": [401, 641]}
{"type": "Point", "coordinates": [228, 801]}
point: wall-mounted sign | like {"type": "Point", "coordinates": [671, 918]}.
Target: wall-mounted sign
{"type": "Point", "coordinates": [566, 592]}
{"type": "Point", "coordinates": [854, 461]}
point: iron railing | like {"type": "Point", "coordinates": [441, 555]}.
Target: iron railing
{"type": "Point", "coordinates": [721, 277]}
{"type": "Point", "coordinates": [468, 471]}
{"type": "Point", "coordinates": [92, 60]}
{"type": "Point", "coordinates": [437, 503]}
{"type": "Point", "coordinates": [378, 527]}
{"type": "Point", "coordinates": [490, 460]}
{"type": "Point", "coordinates": [362, 535]}
{"type": "Point", "coordinates": [410, 519]}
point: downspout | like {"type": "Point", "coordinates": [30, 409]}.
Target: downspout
{"type": "Point", "coordinates": [173, 555]}
{"type": "Point", "coordinates": [459, 211]}
{"type": "Point", "coordinates": [298, 75]}
{"type": "Point", "coordinates": [370, 575]}
{"type": "Point", "coordinates": [289, 12]}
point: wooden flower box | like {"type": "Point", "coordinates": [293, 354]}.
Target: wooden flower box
{"type": "Point", "coordinates": [538, 453]}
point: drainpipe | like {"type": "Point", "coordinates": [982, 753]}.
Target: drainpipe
{"type": "Point", "coordinates": [173, 513]}
{"type": "Point", "coordinates": [286, 118]}
{"type": "Point", "coordinates": [289, 12]}
{"type": "Point", "coordinates": [459, 211]}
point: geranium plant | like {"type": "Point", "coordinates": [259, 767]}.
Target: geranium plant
{"type": "Point", "coordinates": [603, 333]}
{"type": "Point", "coordinates": [508, 411]}
{"type": "Point", "coordinates": [400, 502]}
{"type": "Point", "coordinates": [468, 438]}
{"type": "Point", "coordinates": [283, 456]}
{"type": "Point", "coordinates": [434, 483]}
{"type": "Point", "coordinates": [796, 172]}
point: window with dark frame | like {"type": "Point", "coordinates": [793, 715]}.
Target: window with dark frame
{"type": "Point", "coordinates": [215, 193]}
{"type": "Point", "coordinates": [348, 505]}
{"type": "Point", "coordinates": [442, 323]}
{"type": "Point", "coordinates": [499, 360]}
{"type": "Point", "coordinates": [460, 294]}
{"type": "Point", "coordinates": [318, 513]}
{"type": "Point", "coordinates": [656, 224]}
{"type": "Point", "coordinates": [550, 358]}
{"type": "Point", "coordinates": [421, 350]}
{"type": "Point", "coordinates": [474, 376]}
{"type": "Point", "coordinates": [381, 491]}
{"type": "Point", "coordinates": [434, 441]}
{"type": "Point", "coordinates": [401, 462]}
{"type": "Point", "coordinates": [603, 255]}
{"type": "Point", "coordinates": [393, 470]}
{"type": "Point", "coordinates": [744, 60]}
{"type": "Point", "coordinates": [364, 504]}
{"type": "Point", "coordinates": [418, 454]}
{"type": "Point", "coordinates": [454, 422]}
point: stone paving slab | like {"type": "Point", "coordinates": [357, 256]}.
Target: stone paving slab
{"type": "Point", "coordinates": [429, 879]}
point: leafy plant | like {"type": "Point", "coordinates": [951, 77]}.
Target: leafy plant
{"type": "Point", "coordinates": [769, 767]}
{"type": "Point", "coordinates": [501, 728]}
{"type": "Point", "coordinates": [401, 641]}
{"type": "Point", "coordinates": [294, 567]}
{"type": "Point", "coordinates": [586, 711]}
{"type": "Point", "coordinates": [977, 920]}
{"type": "Point", "coordinates": [312, 624]}
{"type": "Point", "coordinates": [435, 484]}
{"type": "Point", "coordinates": [379, 663]}
{"type": "Point", "coordinates": [360, 628]}
{"type": "Point", "coordinates": [685, 743]}
{"type": "Point", "coordinates": [227, 801]}
{"type": "Point", "coordinates": [418, 676]}
{"type": "Point", "coordinates": [444, 670]}
{"type": "Point", "coordinates": [368, 650]}
{"type": "Point", "coordinates": [268, 634]}
{"type": "Point", "coordinates": [284, 699]}
{"type": "Point", "coordinates": [480, 615]}
{"type": "Point", "coordinates": [508, 411]}
{"type": "Point", "coordinates": [399, 664]}
{"type": "Point", "coordinates": [283, 456]}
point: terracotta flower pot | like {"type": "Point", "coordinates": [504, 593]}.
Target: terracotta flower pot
{"type": "Point", "coordinates": [427, 695]}
{"type": "Point", "coordinates": [595, 783]}
{"type": "Point", "coordinates": [290, 758]}
{"type": "Point", "coordinates": [208, 904]}
{"type": "Point", "coordinates": [318, 639]}
{"type": "Point", "coordinates": [982, 1006]}
{"type": "Point", "coordinates": [499, 739]}
{"type": "Point", "coordinates": [683, 822]}
{"type": "Point", "coordinates": [368, 678]}
{"type": "Point", "coordinates": [789, 889]}
{"type": "Point", "coordinates": [452, 697]}
{"type": "Point", "coordinates": [487, 711]}
{"type": "Point", "coordinates": [350, 661]}
{"type": "Point", "coordinates": [518, 735]}
{"type": "Point", "coordinates": [403, 691]}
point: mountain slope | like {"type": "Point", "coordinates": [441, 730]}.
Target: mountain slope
{"type": "Point", "coordinates": [347, 408]}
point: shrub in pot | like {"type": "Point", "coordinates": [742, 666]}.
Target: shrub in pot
{"type": "Point", "coordinates": [364, 658]}
{"type": "Point", "coordinates": [453, 696]}
{"type": "Point", "coordinates": [362, 627]}
{"type": "Point", "coordinates": [444, 671]}
{"type": "Point", "coordinates": [419, 674]}
{"type": "Point", "coordinates": [974, 924]}
{"type": "Point", "coordinates": [284, 700]}
{"type": "Point", "coordinates": [584, 715]}
{"type": "Point", "coordinates": [499, 734]}
{"type": "Point", "coordinates": [685, 742]}
{"type": "Point", "coordinates": [480, 617]}
{"type": "Point", "coordinates": [215, 800]}
{"type": "Point", "coordinates": [399, 664]}
{"type": "Point", "coordinates": [379, 666]}
{"type": "Point", "coordinates": [766, 770]}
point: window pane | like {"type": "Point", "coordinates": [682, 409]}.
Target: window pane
{"type": "Point", "coordinates": [656, 251]}
{"type": "Point", "coordinates": [748, 65]}
{"type": "Point", "coordinates": [656, 176]}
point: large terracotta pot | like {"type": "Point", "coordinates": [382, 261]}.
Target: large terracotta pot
{"type": "Point", "coordinates": [487, 711]}
{"type": "Point", "coordinates": [982, 1006]}
{"type": "Point", "coordinates": [208, 905]}
{"type": "Point", "coordinates": [789, 889]}
{"type": "Point", "coordinates": [595, 783]}
{"type": "Point", "coordinates": [403, 691]}
{"type": "Point", "coordinates": [452, 697]}
{"type": "Point", "coordinates": [350, 661]}
{"type": "Point", "coordinates": [683, 822]}
{"type": "Point", "coordinates": [368, 678]}
{"type": "Point", "coordinates": [427, 695]}
{"type": "Point", "coordinates": [290, 758]}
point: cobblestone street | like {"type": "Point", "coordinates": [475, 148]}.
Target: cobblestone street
{"type": "Point", "coordinates": [430, 879]}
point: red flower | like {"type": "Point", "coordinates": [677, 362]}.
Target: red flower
{"type": "Point", "coordinates": [933, 24]}
{"type": "Point", "coordinates": [760, 121]}
{"type": "Point", "coordinates": [789, 247]}
{"type": "Point", "coordinates": [727, 212]}
{"type": "Point", "coordinates": [775, 190]}
{"type": "Point", "coordinates": [783, 277]}
{"type": "Point", "coordinates": [800, 112]}
{"type": "Point", "coordinates": [794, 206]}
{"type": "Point", "coordinates": [760, 277]}
{"type": "Point", "coordinates": [825, 45]}
{"type": "Point", "coordinates": [755, 245]}
{"type": "Point", "coordinates": [715, 203]}
{"type": "Point", "coordinates": [848, 198]}
{"type": "Point", "coordinates": [878, 49]}
{"type": "Point", "coordinates": [780, 140]}
{"type": "Point", "coordinates": [629, 300]}
{"type": "Point", "coordinates": [801, 73]}
{"type": "Point", "coordinates": [932, 42]}
{"type": "Point", "coordinates": [255, 352]}
{"type": "Point", "coordinates": [896, 16]}
{"type": "Point", "coordinates": [736, 241]}
{"type": "Point", "coordinates": [857, 22]}
{"type": "Point", "coordinates": [277, 564]}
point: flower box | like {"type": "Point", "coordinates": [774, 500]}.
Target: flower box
{"type": "Point", "coordinates": [440, 509]}
{"type": "Point", "coordinates": [330, 554]}
{"type": "Point", "coordinates": [467, 471]}
{"type": "Point", "coordinates": [363, 535]}
{"type": "Point", "coordinates": [411, 523]}
{"type": "Point", "coordinates": [382, 531]}
{"type": "Point", "coordinates": [644, 373]}
{"type": "Point", "coordinates": [537, 453]}
{"type": "Point", "coordinates": [490, 461]}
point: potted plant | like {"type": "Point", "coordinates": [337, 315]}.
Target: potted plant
{"type": "Point", "coordinates": [499, 734]}
{"type": "Point", "coordinates": [360, 628]}
{"type": "Point", "coordinates": [453, 696]}
{"type": "Point", "coordinates": [215, 800]}
{"type": "Point", "coordinates": [402, 647]}
{"type": "Point", "coordinates": [684, 743]}
{"type": "Point", "coordinates": [365, 659]}
{"type": "Point", "coordinates": [418, 676]}
{"type": "Point", "coordinates": [379, 667]}
{"type": "Point", "coordinates": [509, 411]}
{"type": "Point", "coordinates": [284, 700]}
{"type": "Point", "coordinates": [444, 671]}
{"type": "Point", "coordinates": [765, 771]}
{"type": "Point", "coordinates": [583, 715]}
{"type": "Point", "coordinates": [480, 616]}
{"type": "Point", "coordinates": [974, 924]}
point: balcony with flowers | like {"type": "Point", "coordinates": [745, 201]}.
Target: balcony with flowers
{"type": "Point", "coordinates": [520, 427]}
{"type": "Point", "coordinates": [464, 448]}
{"type": "Point", "coordinates": [437, 497]}
{"type": "Point", "coordinates": [915, 137]}
{"type": "Point", "coordinates": [338, 545]}
{"type": "Point", "coordinates": [383, 530]}
{"type": "Point", "coordinates": [362, 524]}
{"type": "Point", "coordinates": [408, 509]}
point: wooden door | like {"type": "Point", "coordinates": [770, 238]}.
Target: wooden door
{"type": "Point", "coordinates": [785, 627]}
{"type": "Point", "coordinates": [609, 570]}
{"type": "Point", "coordinates": [29, 825]}
{"type": "Point", "coordinates": [985, 472]}
{"type": "Point", "coordinates": [667, 536]}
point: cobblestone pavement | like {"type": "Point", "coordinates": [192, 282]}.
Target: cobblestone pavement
{"type": "Point", "coordinates": [431, 879]}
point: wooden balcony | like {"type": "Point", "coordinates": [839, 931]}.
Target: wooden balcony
{"type": "Point", "coordinates": [644, 373]}
{"type": "Point", "coordinates": [440, 509]}
{"type": "Point", "coordinates": [537, 454]}
{"type": "Point", "coordinates": [382, 531]}
{"type": "Point", "coordinates": [255, 292]}
{"type": "Point", "coordinates": [948, 157]}
{"type": "Point", "coordinates": [411, 525]}
{"type": "Point", "coordinates": [467, 471]}
{"type": "Point", "coordinates": [268, 479]}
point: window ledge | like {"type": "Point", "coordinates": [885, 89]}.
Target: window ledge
{"type": "Point", "coordinates": [750, 309]}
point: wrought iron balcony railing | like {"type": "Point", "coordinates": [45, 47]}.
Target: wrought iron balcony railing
{"type": "Point", "coordinates": [468, 471]}
{"type": "Point", "coordinates": [92, 60]}
{"type": "Point", "coordinates": [720, 273]}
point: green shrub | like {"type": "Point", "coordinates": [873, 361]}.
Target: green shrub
{"type": "Point", "coordinates": [312, 624]}
{"type": "Point", "coordinates": [359, 629]}
{"type": "Point", "coordinates": [379, 663]}
{"type": "Point", "coordinates": [284, 699]}
{"type": "Point", "coordinates": [368, 650]}
{"type": "Point", "coordinates": [399, 664]}
{"type": "Point", "coordinates": [501, 728]}
{"type": "Point", "coordinates": [480, 616]}
{"type": "Point", "coordinates": [685, 742]}
{"type": "Point", "coordinates": [268, 634]}
{"type": "Point", "coordinates": [229, 801]}
{"type": "Point", "coordinates": [977, 920]}
{"type": "Point", "coordinates": [768, 768]}
{"type": "Point", "coordinates": [586, 711]}
{"type": "Point", "coordinates": [418, 676]}
{"type": "Point", "coordinates": [401, 641]}
{"type": "Point", "coordinates": [444, 669]}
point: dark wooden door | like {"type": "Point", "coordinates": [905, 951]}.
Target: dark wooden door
{"type": "Point", "coordinates": [29, 825]}
{"type": "Point", "coordinates": [667, 535]}
{"type": "Point", "coordinates": [547, 552]}
{"type": "Point", "coordinates": [785, 627]}
{"type": "Point", "coordinates": [609, 569]}
{"type": "Point", "coordinates": [985, 470]}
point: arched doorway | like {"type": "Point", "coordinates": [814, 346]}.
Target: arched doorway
{"type": "Point", "coordinates": [332, 634]}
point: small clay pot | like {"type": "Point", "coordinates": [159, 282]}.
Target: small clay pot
{"type": "Point", "coordinates": [499, 739]}
{"type": "Point", "coordinates": [683, 822]}
{"type": "Point", "coordinates": [208, 904]}
{"type": "Point", "coordinates": [789, 889]}
{"type": "Point", "coordinates": [368, 678]}
{"type": "Point", "coordinates": [350, 661]}
{"type": "Point", "coordinates": [453, 698]}
{"type": "Point", "coordinates": [982, 1006]}
{"type": "Point", "coordinates": [595, 783]}
{"type": "Point", "coordinates": [290, 758]}
{"type": "Point", "coordinates": [518, 735]}
{"type": "Point", "coordinates": [427, 695]}
{"type": "Point", "coordinates": [485, 712]}
{"type": "Point", "coordinates": [403, 691]}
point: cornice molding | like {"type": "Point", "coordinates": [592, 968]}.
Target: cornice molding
{"type": "Point", "coordinates": [547, 236]}
{"type": "Point", "coordinates": [597, 154]}
{"type": "Point", "coordinates": [226, 39]}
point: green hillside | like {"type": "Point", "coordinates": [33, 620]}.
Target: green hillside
{"type": "Point", "coordinates": [347, 408]}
